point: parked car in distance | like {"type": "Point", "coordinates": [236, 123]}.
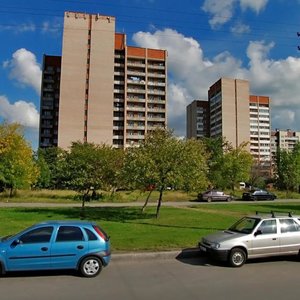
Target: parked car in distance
{"type": "Point", "coordinates": [257, 194]}
{"type": "Point", "coordinates": [253, 237]}
{"type": "Point", "coordinates": [56, 245]}
{"type": "Point", "coordinates": [214, 195]}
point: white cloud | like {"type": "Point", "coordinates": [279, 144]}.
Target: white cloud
{"type": "Point", "coordinates": [22, 112]}
{"type": "Point", "coordinates": [54, 26]}
{"type": "Point", "coordinates": [256, 5]}
{"type": "Point", "coordinates": [24, 68]}
{"type": "Point", "coordinates": [191, 74]}
{"type": "Point", "coordinates": [240, 28]}
{"type": "Point", "coordinates": [222, 11]}
{"type": "Point", "coordinates": [19, 28]}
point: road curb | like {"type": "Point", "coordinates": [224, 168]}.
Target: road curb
{"type": "Point", "coordinates": [174, 254]}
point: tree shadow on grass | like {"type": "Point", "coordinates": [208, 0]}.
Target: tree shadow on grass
{"type": "Point", "coordinates": [123, 214]}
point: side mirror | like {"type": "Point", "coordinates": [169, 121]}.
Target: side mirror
{"type": "Point", "coordinates": [258, 232]}
{"type": "Point", "coordinates": [15, 243]}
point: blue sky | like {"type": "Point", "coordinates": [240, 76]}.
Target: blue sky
{"type": "Point", "coordinates": [254, 40]}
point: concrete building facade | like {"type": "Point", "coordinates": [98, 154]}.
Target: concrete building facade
{"type": "Point", "coordinates": [197, 116]}
{"type": "Point", "coordinates": [284, 140]}
{"type": "Point", "coordinates": [235, 115]}
{"type": "Point", "coordinates": [109, 92]}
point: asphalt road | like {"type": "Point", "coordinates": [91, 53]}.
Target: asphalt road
{"type": "Point", "coordinates": [174, 279]}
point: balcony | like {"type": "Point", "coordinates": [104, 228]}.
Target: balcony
{"type": "Point", "coordinates": [156, 92]}
{"type": "Point", "coordinates": [156, 67]}
{"type": "Point", "coordinates": [136, 99]}
{"type": "Point", "coordinates": [135, 108]}
{"type": "Point", "coordinates": [154, 83]}
{"type": "Point", "coordinates": [136, 72]}
{"type": "Point", "coordinates": [156, 75]}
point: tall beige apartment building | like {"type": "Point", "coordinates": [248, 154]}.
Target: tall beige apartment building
{"type": "Point", "coordinates": [109, 92]}
{"type": "Point", "coordinates": [235, 115]}
{"type": "Point", "coordinates": [229, 110]}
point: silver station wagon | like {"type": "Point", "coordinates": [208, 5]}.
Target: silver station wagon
{"type": "Point", "coordinates": [253, 237]}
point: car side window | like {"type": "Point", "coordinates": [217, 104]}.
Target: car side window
{"type": "Point", "coordinates": [38, 235]}
{"type": "Point", "coordinates": [288, 225]}
{"type": "Point", "coordinates": [91, 235]}
{"type": "Point", "coordinates": [69, 234]}
{"type": "Point", "coordinates": [268, 227]}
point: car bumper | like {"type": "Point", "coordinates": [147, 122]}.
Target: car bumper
{"type": "Point", "coordinates": [217, 254]}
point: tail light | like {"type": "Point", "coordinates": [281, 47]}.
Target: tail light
{"type": "Point", "coordinates": [101, 233]}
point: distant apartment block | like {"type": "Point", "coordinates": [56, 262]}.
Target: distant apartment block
{"type": "Point", "coordinates": [284, 140]}
{"type": "Point", "coordinates": [108, 92]}
{"type": "Point", "coordinates": [49, 103]}
{"type": "Point", "coordinates": [229, 110]}
{"type": "Point", "coordinates": [197, 115]}
{"type": "Point", "coordinates": [235, 115]}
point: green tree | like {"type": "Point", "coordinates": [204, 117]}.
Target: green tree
{"type": "Point", "coordinates": [162, 160]}
{"type": "Point", "coordinates": [237, 163]}
{"type": "Point", "coordinates": [17, 166]}
{"type": "Point", "coordinates": [89, 167]}
{"type": "Point", "coordinates": [51, 161]}
{"type": "Point", "coordinates": [288, 168]}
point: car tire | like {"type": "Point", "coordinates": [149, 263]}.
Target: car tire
{"type": "Point", "coordinates": [237, 257]}
{"type": "Point", "coordinates": [228, 199]}
{"type": "Point", "coordinates": [209, 199]}
{"type": "Point", "coordinates": [90, 266]}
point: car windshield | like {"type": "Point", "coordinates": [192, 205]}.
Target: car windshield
{"type": "Point", "coordinates": [245, 225]}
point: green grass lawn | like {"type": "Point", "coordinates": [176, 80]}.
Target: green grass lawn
{"type": "Point", "coordinates": [130, 230]}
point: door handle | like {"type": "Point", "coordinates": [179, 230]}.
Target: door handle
{"type": "Point", "coordinates": [80, 247]}
{"type": "Point", "coordinates": [274, 239]}
{"type": "Point", "coordinates": [44, 249]}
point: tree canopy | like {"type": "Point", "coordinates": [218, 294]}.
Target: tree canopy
{"type": "Point", "coordinates": [17, 167]}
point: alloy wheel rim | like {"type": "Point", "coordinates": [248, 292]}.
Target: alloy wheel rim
{"type": "Point", "coordinates": [238, 258]}
{"type": "Point", "coordinates": [91, 267]}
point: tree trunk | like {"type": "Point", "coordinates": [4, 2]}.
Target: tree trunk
{"type": "Point", "coordinates": [159, 202]}
{"type": "Point", "coordinates": [146, 202]}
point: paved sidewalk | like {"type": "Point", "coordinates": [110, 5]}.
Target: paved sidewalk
{"type": "Point", "coordinates": [174, 254]}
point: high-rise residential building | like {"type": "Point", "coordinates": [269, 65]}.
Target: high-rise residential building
{"type": "Point", "coordinates": [229, 110]}
{"type": "Point", "coordinates": [260, 129]}
{"type": "Point", "coordinates": [284, 140]}
{"type": "Point", "coordinates": [49, 101]}
{"type": "Point", "coordinates": [109, 92]}
{"type": "Point", "coordinates": [235, 115]}
{"type": "Point", "coordinates": [197, 116]}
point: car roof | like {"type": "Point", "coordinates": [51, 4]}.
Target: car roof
{"type": "Point", "coordinates": [65, 222]}
{"type": "Point", "coordinates": [272, 215]}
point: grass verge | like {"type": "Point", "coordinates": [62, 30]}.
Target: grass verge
{"type": "Point", "coordinates": [130, 230]}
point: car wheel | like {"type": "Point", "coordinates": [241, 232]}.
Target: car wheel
{"type": "Point", "coordinates": [209, 199]}
{"type": "Point", "coordinates": [237, 257]}
{"type": "Point", "coordinates": [228, 199]}
{"type": "Point", "coordinates": [90, 266]}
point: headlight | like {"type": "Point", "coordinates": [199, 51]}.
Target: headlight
{"type": "Point", "coordinates": [215, 245]}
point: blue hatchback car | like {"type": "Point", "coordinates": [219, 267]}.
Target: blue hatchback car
{"type": "Point", "coordinates": [55, 245]}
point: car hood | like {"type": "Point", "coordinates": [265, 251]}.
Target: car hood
{"type": "Point", "coordinates": [222, 236]}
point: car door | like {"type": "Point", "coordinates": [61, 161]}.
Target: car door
{"type": "Point", "coordinates": [69, 246]}
{"type": "Point", "coordinates": [31, 250]}
{"type": "Point", "coordinates": [290, 236]}
{"type": "Point", "coordinates": [266, 239]}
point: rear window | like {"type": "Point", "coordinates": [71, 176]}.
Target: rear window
{"type": "Point", "coordinates": [91, 235]}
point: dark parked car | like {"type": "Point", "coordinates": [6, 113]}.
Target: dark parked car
{"type": "Point", "coordinates": [55, 245]}
{"type": "Point", "coordinates": [214, 195]}
{"type": "Point", "coordinates": [258, 195]}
